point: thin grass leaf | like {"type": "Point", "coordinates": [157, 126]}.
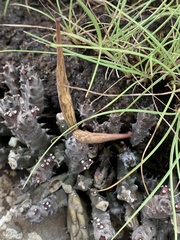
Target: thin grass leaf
{"type": "Point", "coordinates": [34, 9]}
{"type": "Point", "coordinates": [6, 7]}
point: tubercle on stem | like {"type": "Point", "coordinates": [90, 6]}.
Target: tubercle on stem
{"type": "Point", "coordinates": [66, 103]}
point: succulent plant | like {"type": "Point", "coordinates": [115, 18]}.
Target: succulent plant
{"type": "Point", "coordinates": [146, 231]}
{"type": "Point", "coordinates": [127, 190]}
{"type": "Point", "coordinates": [11, 78]}
{"type": "Point", "coordinates": [140, 129]}
{"type": "Point", "coordinates": [159, 206]}
{"type": "Point", "coordinates": [42, 209]}
{"type": "Point", "coordinates": [20, 158]}
{"type": "Point", "coordinates": [76, 218]}
{"type": "Point", "coordinates": [22, 105]}
{"type": "Point", "coordinates": [45, 170]}
{"type": "Point", "coordinates": [49, 190]}
{"type": "Point", "coordinates": [77, 156]}
{"type": "Point", "coordinates": [25, 82]}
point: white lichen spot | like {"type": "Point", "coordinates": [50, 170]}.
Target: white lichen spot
{"type": "Point", "coordinates": [12, 160]}
{"type": "Point", "coordinates": [9, 200]}
{"type": "Point", "coordinates": [102, 205]}
{"type": "Point", "coordinates": [34, 236]}
{"type": "Point", "coordinates": [67, 188]}
{"type": "Point", "coordinates": [13, 142]}
{"type": "Point", "coordinates": [6, 218]}
{"type": "Point", "coordinates": [11, 233]}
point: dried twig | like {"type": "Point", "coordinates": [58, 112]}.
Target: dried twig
{"type": "Point", "coordinates": [66, 104]}
{"type": "Point", "coordinates": [64, 96]}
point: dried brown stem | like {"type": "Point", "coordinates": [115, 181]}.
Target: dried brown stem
{"type": "Point", "coordinates": [64, 95]}
{"type": "Point", "coordinates": [89, 137]}
{"type": "Point", "coordinates": [66, 103]}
